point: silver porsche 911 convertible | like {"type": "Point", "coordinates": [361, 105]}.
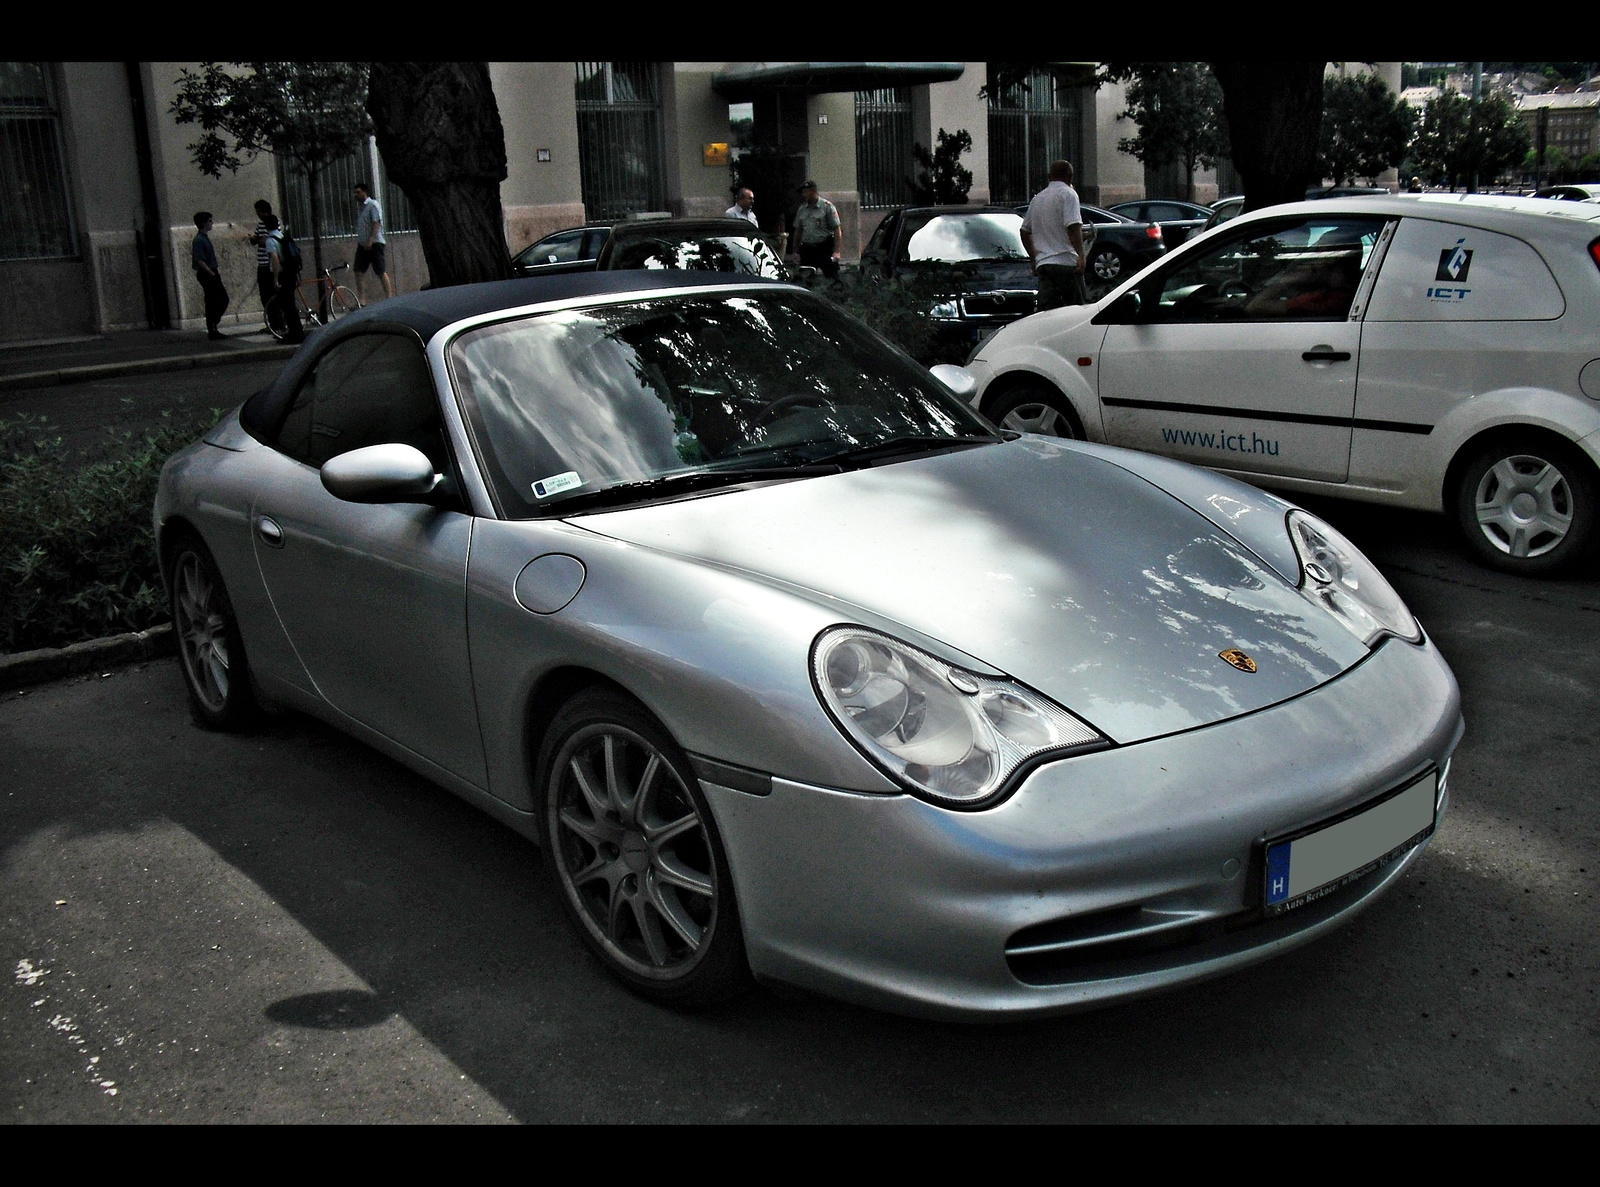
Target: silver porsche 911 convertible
{"type": "Point", "coordinates": [797, 668]}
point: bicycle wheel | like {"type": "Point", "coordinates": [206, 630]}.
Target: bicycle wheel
{"type": "Point", "coordinates": [340, 302]}
{"type": "Point", "coordinates": [277, 324]}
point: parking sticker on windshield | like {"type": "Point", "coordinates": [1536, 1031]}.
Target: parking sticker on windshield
{"type": "Point", "coordinates": [546, 487]}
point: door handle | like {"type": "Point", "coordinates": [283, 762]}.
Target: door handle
{"type": "Point", "coordinates": [269, 531]}
{"type": "Point", "coordinates": [1323, 354]}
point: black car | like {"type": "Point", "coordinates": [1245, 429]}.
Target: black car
{"type": "Point", "coordinates": [678, 244]}
{"type": "Point", "coordinates": [976, 249]}
{"type": "Point", "coordinates": [1120, 248]}
{"type": "Point", "coordinates": [1177, 220]}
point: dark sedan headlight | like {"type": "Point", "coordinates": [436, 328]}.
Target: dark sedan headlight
{"type": "Point", "coordinates": [952, 736]}
{"type": "Point", "coordinates": [1335, 575]}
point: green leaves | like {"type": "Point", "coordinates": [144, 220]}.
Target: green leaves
{"type": "Point", "coordinates": [1457, 141]}
{"type": "Point", "coordinates": [77, 551]}
{"type": "Point", "coordinates": [940, 178]}
{"type": "Point", "coordinates": [1366, 128]}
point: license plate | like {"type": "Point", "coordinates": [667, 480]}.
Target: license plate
{"type": "Point", "coordinates": [1305, 866]}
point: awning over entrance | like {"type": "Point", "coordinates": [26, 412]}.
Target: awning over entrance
{"type": "Point", "coordinates": [740, 81]}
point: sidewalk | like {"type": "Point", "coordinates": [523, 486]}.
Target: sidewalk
{"type": "Point", "coordinates": [131, 352]}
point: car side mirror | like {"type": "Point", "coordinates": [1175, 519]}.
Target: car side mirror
{"type": "Point", "coordinates": [958, 379]}
{"type": "Point", "coordinates": [1124, 311]}
{"type": "Point", "coordinates": [381, 474]}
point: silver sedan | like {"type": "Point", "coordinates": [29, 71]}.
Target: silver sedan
{"type": "Point", "coordinates": [797, 668]}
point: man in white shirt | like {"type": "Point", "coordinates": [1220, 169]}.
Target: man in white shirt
{"type": "Point", "coordinates": [744, 207]}
{"type": "Point", "coordinates": [370, 242]}
{"type": "Point", "coordinates": [1052, 233]}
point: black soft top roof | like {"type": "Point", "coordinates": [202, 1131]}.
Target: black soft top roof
{"type": "Point", "coordinates": [426, 313]}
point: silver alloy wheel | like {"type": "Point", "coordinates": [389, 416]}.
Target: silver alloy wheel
{"type": "Point", "coordinates": [632, 851]}
{"type": "Point", "coordinates": [1036, 417]}
{"type": "Point", "coordinates": [1107, 265]}
{"type": "Point", "coordinates": [202, 632]}
{"type": "Point", "coordinates": [1524, 506]}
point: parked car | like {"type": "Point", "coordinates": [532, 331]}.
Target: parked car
{"type": "Point", "coordinates": [1177, 220]}
{"type": "Point", "coordinates": [1317, 192]}
{"type": "Point", "coordinates": [1571, 193]}
{"type": "Point", "coordinates": [1121, 247]}
{"type": "Point", "coordinates": [983, 242]}
{"type": "Point", "coordinates": [1224, 211]}
{"type": "Point", "coordinates": [795, 667]}
{"type": "Point", "coordinates": [561, 251]}
{"type": "Point", "coordinates": [1475, 321]}
{"type": "Point", "coordinates": [682, 244]}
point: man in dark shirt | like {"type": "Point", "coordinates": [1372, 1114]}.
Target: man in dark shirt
{"type": "Point", "coordinates": [204, 258]}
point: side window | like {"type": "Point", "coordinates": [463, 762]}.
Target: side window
{"type": "Point", "coordinates": [593, 241]}
{"type": "Point", "coordinates": [1437, 271]}
{"type": "Point", "coordinates": [558, 249]}
{"type": "Point", "coordinates": [879, 243]}
{"type": "Point", "coordinates": [370, 390]}
{"type": "Point", "coordinates": [1160, 212]}
{"type": "Point", "coordinates": [1301, 270]}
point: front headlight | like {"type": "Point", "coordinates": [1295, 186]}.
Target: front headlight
{"type": "Point", "coordinates": [949, 735]}
{"type": "Point", "coordinates": [945, 311]}
{"type": "Point", "coordinates": [1335, 575]}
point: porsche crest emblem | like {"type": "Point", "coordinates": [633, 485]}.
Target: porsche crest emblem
{"type": "Point", "coordinates": [1238, 659]}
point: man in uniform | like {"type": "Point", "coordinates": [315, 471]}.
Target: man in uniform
{"type": "Point", "coordinates": [744, 207]}
{"type": "Point", "coordinates": [1052, 234]}
{"type": "Point", "coordinates": [818, 240]}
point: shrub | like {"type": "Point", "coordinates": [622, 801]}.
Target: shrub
{"type": "Point", "coordinates": [77, 552]}
{"type": "Point", "coordinates": [898, 309]}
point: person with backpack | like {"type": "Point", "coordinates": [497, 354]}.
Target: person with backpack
{"type": "Point", "coordinates": [283, 257]}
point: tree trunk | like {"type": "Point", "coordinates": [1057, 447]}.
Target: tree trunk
{"type": "Point", "coordinates": [439, 130]}
{"type": "Point", "coordinates": [1274, 114]}
{"type": "Point", "coordinates": [316, 237]}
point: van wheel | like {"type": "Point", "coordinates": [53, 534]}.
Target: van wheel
{"type": "Point", "coordinates": [1527, 505]}
{"type": "Point", "coordinates": [1035, 408]}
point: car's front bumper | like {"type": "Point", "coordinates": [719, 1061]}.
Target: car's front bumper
{"type": "Point", "coordinates": [1144, 857]}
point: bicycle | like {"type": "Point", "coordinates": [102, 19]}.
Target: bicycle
{"type": "Point", "coordinates": [329, 302]}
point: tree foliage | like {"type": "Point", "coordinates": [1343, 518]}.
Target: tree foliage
{"type": "Point", "coordinates": [941, 180]}
{"type": "Point", "coordinates": [1177, 108]}
{"type": "Point", "coordinates": [1366, 128]}
{"type": "Point", "coordinates": [308, 113]}
{"type": "Point", "coordinates": [1460, 141]}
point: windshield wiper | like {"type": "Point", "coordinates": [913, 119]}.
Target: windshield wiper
{"type": "Point", "coordinates": [684, 482]}
{"type": "Point", "coordinates": [895, 446]}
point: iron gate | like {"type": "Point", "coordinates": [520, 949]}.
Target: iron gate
{"type": "Point", "coordinates": [1031, 123]}
{"type": "Point", "coordinates": [620, 159]}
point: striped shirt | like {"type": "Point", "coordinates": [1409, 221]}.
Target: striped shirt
{"type": "Point", "coordinates": [261, 246]}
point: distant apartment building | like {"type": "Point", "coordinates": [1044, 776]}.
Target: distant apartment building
{"type": "Point", "coordinates": [100, 188]}
{"type": "Point", "coordinates": [1572, 122]}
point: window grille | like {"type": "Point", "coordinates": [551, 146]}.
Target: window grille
{"type": "Point", "coordinates": [620, 158]}
{"type": "Point", "coordinates": [884, 164]}
{"type": "Point", "coordinates": [333, 191]}
{"type": "Point", "coordinates": [35, 216]}
{"type": "Point", "coordinates": [1031, 123]}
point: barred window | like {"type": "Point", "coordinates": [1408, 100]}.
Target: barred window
{"type": "Point", "coordinates": [620, 159]}
{"type": "Point", "coordinates": [1031, 123]}
{"type": "Point", "coordinates": [884, 163]}
{"type": "Point", "coordinates": [334, 184]}
{"type": "Point", "coordinates": [35, 216]}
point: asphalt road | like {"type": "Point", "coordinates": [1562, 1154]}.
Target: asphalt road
{"type": "Point", "coordinates": [285, 926]}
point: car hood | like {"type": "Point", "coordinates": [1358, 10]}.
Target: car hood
{"type": "Point", "coordinates": [1060, 568]}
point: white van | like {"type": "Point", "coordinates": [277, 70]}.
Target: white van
{"type": "Point", "coordinates": [1432, 351]}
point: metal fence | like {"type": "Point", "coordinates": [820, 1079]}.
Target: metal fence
{"type": "Point", "coordinates": [35, 216]}
{"type": "Point", "coordinates": [620, 157]}
{"type": "Point", "coordinates": [884, 163]}
{"type": "Point", "coordinates": [1031, 123]}
{"type": "Point", "coordinates": [333, 192]}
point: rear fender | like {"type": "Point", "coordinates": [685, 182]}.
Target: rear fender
{"type": "Point", "coordinates": [1507, 409]}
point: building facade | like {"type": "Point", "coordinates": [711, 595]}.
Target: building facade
{"type": "Point", "coordinates": [101, 189]}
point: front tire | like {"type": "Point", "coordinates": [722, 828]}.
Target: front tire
{"type": "Point", "coordinates": [1035, 408]}
{"type": "Point", "coordinates": [210, 650]}
{"type": "Point", "coordinates": [635, 856]}
{"type": "Point", "coordinates": [1527, 505]}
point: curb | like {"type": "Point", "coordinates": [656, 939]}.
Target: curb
{"type": "Point", "coordinates": [183, 362]}
{"type": "Point", "coordinates": [51, 663]}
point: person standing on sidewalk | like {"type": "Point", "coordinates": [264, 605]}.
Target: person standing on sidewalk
{"type": "Point", "coordinates": [1052, 234]}
{"type": "Point", "coordinates": [204, 258]}
{"type": "Point", "coordinates": [370, 241]}
{"type": "Point", "coordinates": [743, 206]}
{"type": "Point", "coordinates": [819, 242]}
{"type": "Point", "coordinates": [284, 278]}
{"type": "Point", "coordinates": [265, 284]}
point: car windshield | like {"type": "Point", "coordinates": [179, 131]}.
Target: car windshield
{"type": "Point", "coordinates": [748, 255]}
{"type": "Point", "coordinates": [639, 398]}
{"type": "Point", "coordinates": [960, 238]}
